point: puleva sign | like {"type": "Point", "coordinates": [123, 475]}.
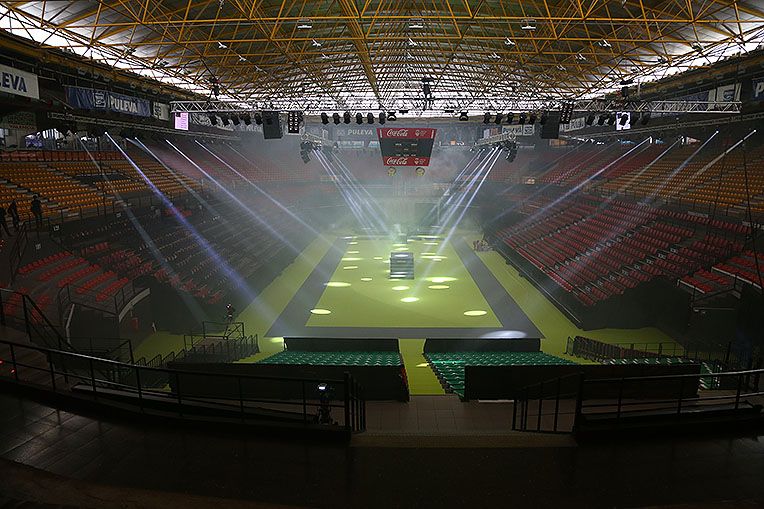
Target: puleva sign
{"type": "Point", "coordinates": [13, 81]}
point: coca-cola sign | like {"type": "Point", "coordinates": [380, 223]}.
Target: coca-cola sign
{"type": "Point", "coordinates": [406, 132]}
{"type": "Point", "coordinates": [406, 161]}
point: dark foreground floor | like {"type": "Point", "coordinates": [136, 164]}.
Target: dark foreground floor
{"type": "Point", "coordinates": [634, 474]}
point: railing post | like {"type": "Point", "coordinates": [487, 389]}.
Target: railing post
{"type": "Point", "coordinates": [514, 415]}
{"type": "Point", "coordinates": [241, 397]}
{"type": "Point", "coordinates": [52, 372]}
{"type": "Point", "coordinates": [737, 393]}
{"type": "Point", "coordinates": [26, 316]}
{"type": "Point", "coordinates": [304, 404]}
{"type": "Point", "coordinates": [177, 389]}
{"type": "Point", "coordinates": [541, 406]}
{"type": "Point", "coordinates": [579, 401]}
{"type": "Point", "coordinates": [681, 394]}
{"type": "Point", "coordinates": [92, 379]}
{"type": "Point", "coordinates": [557, 404]}
{"type": "Point", "coordinates": [346, 377]}
{"type": "Point", "coordinates": [13, 363]}
{"type": "Point", "coordinates": [138, 385]}
{"type": "Point", "coordinates": [2, 310]}
{"type": "Point", "coordinates": [620, 401]}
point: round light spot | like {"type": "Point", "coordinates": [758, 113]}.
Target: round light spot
{"type": "Point", "coordinates": [319, 311]}
{"type": "Point", "coordinates": [438, 287]}
{"type": "Point", "coordinates": [349, 267]}
{"type": "Point", "coordinates": [439, 280]}
{"type": "Point", "coordinates": [476, 312]}
{"type": "Point", "coordinates": [378, 258]}
{"type": "Point", "coordinates": [353, 252]}
{"type": "Point", "coordinates": [351, 259]}
{"type": "Point", "coordinates": [401, 249]}
{"type": "Point", "coordinates": [429, 254]}
{"type": "Point", "coordinates": [409, 299]}
{"type": "Point", "coordinates": [399, 245]}
{"type": "Point", "coordinates": [400, 288]}
{"type": "Point", "coordinates": [365, 279]}
{"type": "Point", "coordinates": [430, 243]}
{"type": "Point", "coordinates": [337, 284]}
{"type": "Point", "coordinates": [352, 243]}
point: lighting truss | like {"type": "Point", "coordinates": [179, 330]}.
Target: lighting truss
{"type": "Point", "coordinates": [474, 106]}
{"type": "Point", "coordinates": [138, 126]}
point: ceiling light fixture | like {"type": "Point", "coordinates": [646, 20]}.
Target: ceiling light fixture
{"type": "Point", "coordinates": [304, 24]}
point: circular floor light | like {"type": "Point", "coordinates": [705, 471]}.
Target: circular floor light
{"type": "Point", "coordinates": [475, 312]}
{"type": "Point", "coordinates": [409, 299]}
{"type": "Point", "coordinates": [337, 284]}
{"type": "Point", "coordinates": [319, 311]}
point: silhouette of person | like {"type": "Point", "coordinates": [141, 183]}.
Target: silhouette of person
{"type": "Point", "coordinates": [36, 208]}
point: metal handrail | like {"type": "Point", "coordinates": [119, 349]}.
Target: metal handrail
{"type": "Point", "coordinates": [353, 405]}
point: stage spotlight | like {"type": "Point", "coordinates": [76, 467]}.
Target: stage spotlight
{"type": "Point", "coordinates": [542, 121]}
{"type": "Point", "coordinates": [346, 117]}
{"type": "Point", "coordinates": [532, 118]}
{"type": "Point", "coordinates": [224, 118]}
{"type": "Point", "coordinates": [463, 117]}
{"type": "Point", "coordinates": [645, 117]}
{"type": "Point", "coordinates": [370, 118]}
{"type": "Point", "coordinates": [391, 116]}
{"type": "Point", "coordinates": [590, 119]}
{"type": "Point", "coordinates": [258, 118]}
{"type": "Point", "coordinates": [324, 118]}
{"type": "Point", "coordinates": [486, 117]}
{"type": "Point", "coordinates": [358, 118]}
{"type": "Point", "coordinates": [510, 117]}
{"type": "Point", "coordinates": [336, 118]}
{"type": "Point", "coordinates": [382, 117]}
{"type": "Point", "coordinates": [611, 118]}
{"type": "Point", "coordinates": [247, 119]}
{"type": "Point", "coordinates": [235, 119]}
{"type": "Point", "coordinates": [602, 118]}
{"type": "Point", "coordinates": [499, 118]}
{"type": "Point", "coordinates": [623, 118]}
{"type": "Point", "coordinates": [213, 119]}
{"type": "Point", "coordinates": [305, 157]}
{"type": "Point", "coordinates": [523, 117]}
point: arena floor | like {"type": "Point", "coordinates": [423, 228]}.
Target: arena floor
{"type": "Point", "coordinates": [339, 287]}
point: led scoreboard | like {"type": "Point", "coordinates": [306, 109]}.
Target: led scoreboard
{"type": "Point", "coordinates": [406, 146]}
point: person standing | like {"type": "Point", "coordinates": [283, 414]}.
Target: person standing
{"type": "Point", "coordinates": [36, 209]}
{"type": "Point", "coordinates": [13, 210]}
{"type": "Point", "coordinates": [3, 224]}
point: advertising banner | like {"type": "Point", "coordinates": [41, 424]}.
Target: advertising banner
{"type": "Point", "coordinates": [90, 99]}
{"type": "Point", "coordinates": [13, 81]}
{"type": "Point", "coordinates": [758, 89]}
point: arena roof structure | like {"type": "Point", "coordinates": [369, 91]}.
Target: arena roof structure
{"type": "Point", "coordinates": [378, 54]}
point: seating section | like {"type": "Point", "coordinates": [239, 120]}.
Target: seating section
{"type": "Point", "coordinates": [742, 267]}
{"type": "Point", "coordinates": [706, 178]}
{"type": "Point", "coordinates": [57, 191]}
{"type": "Point", "coordinates": [46, 276]}
{"type": "Point", "coordinates": [595, 249]}
{"type": "Point", "coordinates": [449, 366]}
{"type": "Point", "coordinates": [343, 358]}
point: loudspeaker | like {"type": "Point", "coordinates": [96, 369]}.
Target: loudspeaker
{"type": "Point", "coordinates": [272, 125]}
{"type": "Point", "coordinates": [551, 128]}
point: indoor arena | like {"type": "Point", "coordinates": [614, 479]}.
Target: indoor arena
{"type": "Point", "coordinates": [345, 254]}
